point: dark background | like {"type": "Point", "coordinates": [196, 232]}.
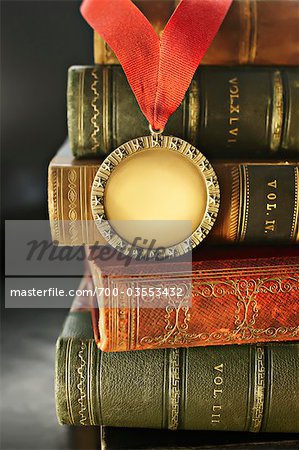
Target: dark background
{"type": "Point", "coordinates": [40, 40]}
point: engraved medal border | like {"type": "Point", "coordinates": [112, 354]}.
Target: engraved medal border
{"type": "Point", "coordinates": [155, 142]}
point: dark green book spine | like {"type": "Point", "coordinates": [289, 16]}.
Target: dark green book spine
{"type": "Point", "coordinates": [242, 388]}
{"type": "Point", "coordinates": [228, 112]}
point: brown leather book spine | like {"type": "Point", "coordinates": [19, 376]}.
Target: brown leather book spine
{"type": "Point", "coordinates": [259, 202]}
{"type": "Point", "coordinates": [261, 32]}
{"type": "Point", "coordinates": [69, 190]}
{"type": "Point", "coordinates": [231, 302]}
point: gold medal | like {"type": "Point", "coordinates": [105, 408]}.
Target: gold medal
{"type": "Point", "coordinates": [145, 186]}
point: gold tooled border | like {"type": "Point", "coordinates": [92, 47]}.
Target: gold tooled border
{"type": "Point", "coordinates": [82, 384]}
{"type": "Point", "coordinates": [72, 196]}
{"type": "Point", "coordinates": [174, 389]}
{"type": "Point", "coordinates": [68, 380]}
{"type": "Point", "coordinates": [258, 403]}
{"type": "Point", "coordinates": [243, 202]}
{"type": "Point", "coordinates": [295, 224]}
{"type": "Point", "coordinates": [277, 112]}
{"type": "Point", "coordinates": [80, 107]}
{"type": "Point", "coordinates": [96, 112]}
{"type": "Point", "coordinates": [90, 384]}
{"type": "Point", "coordinates": [105, 104]}
{"type": "Point", "coordinates": [235, 205]}
{"type": "Point", "coordinates": [155, 142]}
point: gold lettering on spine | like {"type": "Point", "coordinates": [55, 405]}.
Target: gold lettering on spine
{"type": "Point", "coordinates": [194, 112]}
{"type": "Point", "coordinates": [218, 381]}
{"type": "Point", "coordinates": [295, 224]}
{"type": "Point", "coordinates": [96, 112]}
{"type": "Point", "coordinates": [277, 112]}
{"type": "Point", "coordinates": [270, 225]}
{"type": "Point", "coordinates": [234, 110]}
{"type": "Point", "coordinates": [174, 388]}
{"type": "Point", "coordinates": [244, 202]}
{"type": "Point", "coordinates": [259, 390]}
{"type": "Point", "coordinates": [271, 196]}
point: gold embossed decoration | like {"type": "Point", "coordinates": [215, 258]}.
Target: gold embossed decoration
{"type": "Point", "coordinates": [145, 187]}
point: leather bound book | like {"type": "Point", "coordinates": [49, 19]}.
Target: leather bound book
{"type": "Point", "coordinates": [259, 202]}
{"type": "Point", "coordinates": [209, 302]}
{"type": "Point", "coordinates": [239, 388]}
{"type": "Point", "coordinates": [228, 112]}
{"type": "Point", "coordinates": [147, 439]}
{"type": "Point", "coordinates": [253, 32]}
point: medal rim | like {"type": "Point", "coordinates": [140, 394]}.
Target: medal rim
{"type": "Point", "coordinates": [154, 142]}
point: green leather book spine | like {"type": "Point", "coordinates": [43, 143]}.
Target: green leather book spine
{"type": "Point", "coordinates": [228, 112]}
{"type": "Point", "coordinates": [237, 388]}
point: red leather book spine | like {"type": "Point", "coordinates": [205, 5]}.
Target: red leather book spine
{"type": "Point", "coordinates": [233, 302]}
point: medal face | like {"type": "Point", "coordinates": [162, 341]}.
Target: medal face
{"type": "Point", "coordinates": [148, 184]}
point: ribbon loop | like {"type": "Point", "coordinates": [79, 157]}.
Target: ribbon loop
{"type": "Point", "coordinates": [159, 71]}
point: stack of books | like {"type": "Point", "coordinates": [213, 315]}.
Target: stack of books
{"type": "Point", "coordinates": [227, 362]}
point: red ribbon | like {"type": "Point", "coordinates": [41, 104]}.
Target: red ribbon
{"type": "Point", "coordinates": [158, 70]}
